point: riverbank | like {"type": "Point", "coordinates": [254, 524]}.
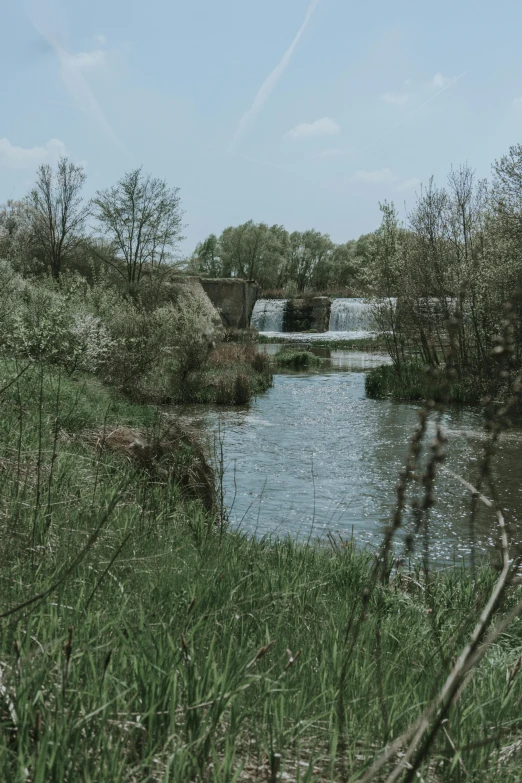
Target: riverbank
{"type": "Point", "coordinates": [144, 640]}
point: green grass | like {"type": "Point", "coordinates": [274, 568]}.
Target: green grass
{"type": "Point", "coordinates": [413, 382]}
{"type": "Point", "coordinates": [166, 648]}
{"type": "Point", "coordinates": [296, 360]}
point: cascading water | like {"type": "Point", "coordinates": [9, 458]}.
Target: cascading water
{"type": "Point", "coordinates": [351, 315]}
{"type": "Point", "coordinates": [267, 315]}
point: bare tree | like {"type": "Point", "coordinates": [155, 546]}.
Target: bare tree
{"type": "Point", "coordinates": [56, 214]}
{"type": "Point", "coordinates": [142, 219]}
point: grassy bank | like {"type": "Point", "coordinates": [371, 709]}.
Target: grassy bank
{"type": "Point", "coordinates": [233, 375]}
{"type": "Point", "coordinates": [414, 382]}
{"type": "Point", "coordinates": [142, 641]}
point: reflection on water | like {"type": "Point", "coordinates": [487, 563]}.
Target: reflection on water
{"type": "Point", "coordinates": [314, 455]}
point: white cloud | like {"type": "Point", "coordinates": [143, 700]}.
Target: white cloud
{"type": "Point", "coordinates": [273, 77]}
{"type": "Point", "coordinates": [517, 104]}
{"type": "Point", "coordinates": [439, 81]}
{"type": "Point", "coordinates": [409, 184]}
{"type": "Point", "coordinates": [87, 60]}
{"type": "Point", "coordinates": [397, 98]}
{"type": "Point", "coordinates": [376, 177]}
{"type": "Point", "coordinates": [12, 157]}
{"type": "Point", "coordinates": [307, 130]}
{"type": "Point", "coordinates": [72, 67]}
{"type": "Point", "coordinates": [101, 40]}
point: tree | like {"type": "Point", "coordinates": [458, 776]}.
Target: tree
{"type": "Point", "coordinates": [205, 259]}
{"type": "Point", "coordinates": [56, 214]}
{"type": "Point", "coordinates": [253, 251]}
{"type": "Point", "coordinates": [308, 250]}
{"type": "Point", "coordinates": [142, 218]}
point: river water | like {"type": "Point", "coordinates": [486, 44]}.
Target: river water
{"type": "Point", "coordinates": [313, 455]}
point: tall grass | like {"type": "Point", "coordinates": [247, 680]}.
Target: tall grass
{"type": "Point", "coordinates": [139, 643]}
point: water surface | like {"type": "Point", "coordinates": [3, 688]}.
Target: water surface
{"type": "Point", "coordinates": [313, 455]}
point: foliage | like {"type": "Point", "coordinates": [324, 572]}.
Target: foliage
{"type": "Point", "coordinates": [55, 214]}
{"type": "Point", "coordinates": [142, 219]}
{"type": "Point", "coordinates": [296, 360]}
{"type": "Point", "coordinates": [414, 381]}
{"type": "Point", "coordinates": [447, 274]}
{"type": "Point", "coordinates": [278, 260]}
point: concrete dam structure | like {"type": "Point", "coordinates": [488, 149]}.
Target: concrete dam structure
{"type": "Point", "coordinates": [233, 298]}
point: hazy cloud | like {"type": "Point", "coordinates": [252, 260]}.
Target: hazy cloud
{"type": "Point", "coordinates": [398, 99]}
{"type": "Point", "coordinates": [270, 82]}
{"type": "Point", "coordinates": [72, 67]}
{"type": "Point", "coordinates": [409, 184]}
{"type": "Point", "coordinates": [439, 81]}
{"type": "Point", "coordinates": [88, 60]}
{"type": "Point", "coordinates": [12, 157]}
{"type": "Point", "coordinates": [376, 177]}
{"type": "Point", "coordinates": [307, 130]}
{"type": "Point", "coordinates": [517, 104]}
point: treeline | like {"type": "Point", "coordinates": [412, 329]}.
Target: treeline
{"type": "Point", "coordinates": [455, 269]}
{"type": "Point", "coordinates": [91, 286]}
{"type": "Point", "coordinates": [128, 229]}
{"type": "Point", "coordinates": [279, 260]}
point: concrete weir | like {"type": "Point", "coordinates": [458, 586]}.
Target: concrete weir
{"type": "Point", "coordinates": [233, 298]}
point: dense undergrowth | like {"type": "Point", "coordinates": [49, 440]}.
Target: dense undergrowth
{"type": "Point", "coordinates": [143, 640]}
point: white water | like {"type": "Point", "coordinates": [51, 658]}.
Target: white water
{"type": "Point", "coordinates": [268, 315]}
{"type": "Point", "coordinates": [349, 319]}
{"type": "Point", "coordinates": [351, 315]}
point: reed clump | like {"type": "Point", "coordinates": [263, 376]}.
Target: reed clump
{"type": "Point", "coordinates": [296, 360]}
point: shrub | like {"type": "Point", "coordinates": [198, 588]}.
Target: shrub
{"type": "Point", "coordinates": [261, 362]}
{"type": "Point", "coordinates": [296, 359]}
{"type": "Point", "coordinates": [414, 382]}
{"type": "Point", "coordinates": [241, 389]}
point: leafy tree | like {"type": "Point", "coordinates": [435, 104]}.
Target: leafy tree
{"type": "Point", "coordinates": [142, 219]}
{"type": "Point", "coordinates": [308, 250]}
{"type": "Point", "coordinates": [56, 214]}
{"type": "Point", "coordinates": [206, 259]}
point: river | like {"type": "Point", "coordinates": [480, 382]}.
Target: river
{"type": "Point", "coordinates": [314, 456]}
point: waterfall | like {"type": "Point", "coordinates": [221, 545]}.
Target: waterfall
{"type": "Point", "coordinates": [267, 315]}
{"type": "Point", "coordinates": [351, 315]}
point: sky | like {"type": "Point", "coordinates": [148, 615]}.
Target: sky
{"type": "Point", "coordinates": [302, 113]}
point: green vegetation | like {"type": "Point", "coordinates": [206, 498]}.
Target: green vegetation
{"type": "Point", "coordinates": [142, 641]}
{"type": "Point", "coordinates": [285, 263]}
{"type": "Point", "coordinates": [296, 360]}
{"type": "Point", "coordinates": [142, 638]}
{"type": "Point", "coordinates": [455, 269]}
{"type": "Point", "coordinates": [413, 381]}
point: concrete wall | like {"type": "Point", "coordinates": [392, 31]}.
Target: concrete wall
{"type": "Point", "coordinates": [234, 299]}
{"type": "Point", "coordinates": [305, 315]}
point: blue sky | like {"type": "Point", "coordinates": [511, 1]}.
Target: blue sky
{"type": "Point", "coordinates": [297, 112]}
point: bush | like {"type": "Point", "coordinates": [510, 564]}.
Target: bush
{"type": "Point", "coordinates": [297, 360]}
{"type": "Point", "coordinates": [414, 382]}
{"type": "Point", "coordinates": [40, 323]}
